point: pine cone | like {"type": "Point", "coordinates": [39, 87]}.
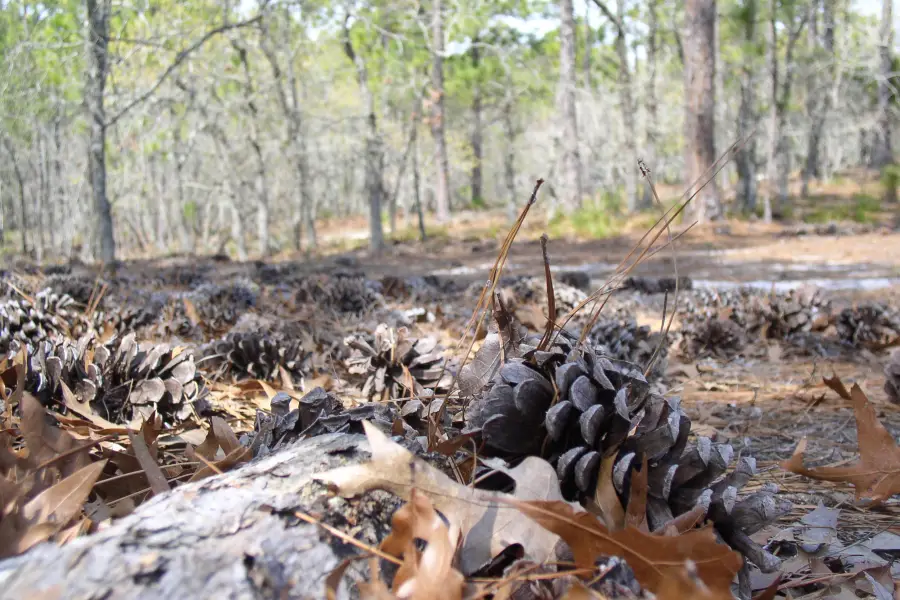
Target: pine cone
{"type": "Point", "coordinates": [619, 336]}
{"type": "Point", "coordinates": [257, 356]}
{"type": "Point", "coordinates": [47, 318]}
{"type": "Point", "coordinates": [382, 361]}
{"type": "Point", "coordinates": [81, 288]}
{"type": "Point", "coordinates": [605, 411]}
{"type": "Point", "coordinates": [533, 290]}
{"type": "Point", "coordinates": [719, 337]}
{"type": "Point", "coordinates": [892, 378]}
{"type": "Point", "coordinates": [121, 380]}
{"type": "Point", "coordinates": [870, 324]}
{"type": "Point", "coordinates": [339, 293]}
{"type": "Point", "coordinates": [656, 285]}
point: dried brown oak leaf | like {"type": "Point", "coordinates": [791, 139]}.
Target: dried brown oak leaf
{"type": "Point", "coordinates": [23, 526]}
{"type": "Point", "coordinates": [876, 475]}
{"type": "Point", "coordinates": [657, 560]}
{"type": "Point", "coordinates": [488, 521]}
{"type": "Point", "coordinates": [426, 575]}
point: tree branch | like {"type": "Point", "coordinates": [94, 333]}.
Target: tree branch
{"type": "Point", "coordinates": [180, 58]}
{"type": "Point", "coordinates": [602, 5]}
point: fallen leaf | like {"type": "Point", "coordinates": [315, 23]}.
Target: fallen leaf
{"type": "Point", "coordinates": [429, 574]}
{"type": "Point", "coordinates": [45, 442]}
{"type": "Point", "coordinates": [477, 372]}
{"type": "Point", "coordinates": [158, 482]}
{"type": "Point", "coordinates": [817, 529]}
{"type": "Point", "coordinates": [653, 558]}
{"type": "Point", "coordinates": [487, 521]}
{"type": "Point", "coordinates": [60, 502]}
{"type": "Point", "coordinates": [84, 410]}
{"type": "Point", "coordinates": [636, 512]}
{"type": "Point", "coordinates": [190, 311]}
{"type": "Point", "coordinates": [876, 475]}
{"type": "Point", "coordinates": [605, 503]}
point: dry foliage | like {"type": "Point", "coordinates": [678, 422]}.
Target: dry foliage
{"type": "Point", "coordinates": [659, 562]}
{"type": "Point", "coordinates": [876, 475]}
{"type": "Point", "coordinates": [425, 575]}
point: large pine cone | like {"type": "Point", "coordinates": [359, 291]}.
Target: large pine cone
{"type": "Point", "coordinates": [49, 317]}
{"type": "Point", "coordinates": [390, 361]}
{"type": "Point", "coordinates": [257, 355]}
{"type": "Point", "coordinates": [619, 336]}
{"type": "Point", "coordinates": [605, 410]}
{"type": "Point", "coordinates": [870, 324]}
{"type": "Point", "coordinates": [81, 288]}
{"type": "Point", "coordinates": [340, 293]}
{"type": "Point", "coordinates": [121, 380]}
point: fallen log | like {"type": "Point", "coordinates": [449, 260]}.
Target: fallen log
{"type": "Point", "coordinates": [231, 536]}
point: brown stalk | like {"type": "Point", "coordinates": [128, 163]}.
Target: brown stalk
{"type": "Point", "coordinates": [551, 296]}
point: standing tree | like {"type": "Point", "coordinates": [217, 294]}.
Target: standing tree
{"type": "Point", "coordinates": [442, 161]}
{"type": "Point", "coordinates": [779, 160]}
{"type": "Point", "coordinates": [747, 13]}
{"type": "Point", "coordinates": [818, 100]}
{"type": "Point", "coordinates": [626, 101]}
{"type": "Point", "coordinates": [98, 12]}
{"type": "Point", "coordinates": [373, 150]}
{"type": "Point", "coordinates": [884, 151]}
{"type": "Point", "coordinates": [574, 189]}
{"type": "Point", "coordinates": [699, 77]}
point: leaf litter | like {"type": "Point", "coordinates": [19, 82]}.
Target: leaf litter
{"type": "Point", "coordinates": [76, 451]}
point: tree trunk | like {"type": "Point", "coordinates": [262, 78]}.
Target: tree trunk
{"type": "Point", "coordinates": [699, 70]}
{"type": "Point", "coordinates": [652, 102]}
{"type": "Point", "coordinates": [572, 182]}
{"type": "Point", "coordinates": [588, 47]}
{"type": "Point", "coordinates": [477, 134]}
{"type": "Point", "coordinates": [23, 208]}
{"type": "Point", "coordinates": [626, 100]}
{"type": "Point", "coordinates": [817, 100]}
{"type": "Point", "coordinates": [374, 153]}
{"type": "Point", "coordinates": [884, 151]}
{"type": "Point", "coordinates": [229, 536]}
{"type": "Point", "coordinates": [420, 212]}
{"type": "Point", "coordinates": [98, 12]}
{"type": "Point", "coordinates": [748, 117]}
{"type": "Point", "coordinates": [442, 161]}
{"type": "Point", "coordinates": [509, 156]}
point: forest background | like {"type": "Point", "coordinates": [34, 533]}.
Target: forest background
{"type": "Point", "coordinates": [143, 128]}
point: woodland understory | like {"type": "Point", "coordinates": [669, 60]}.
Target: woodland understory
{"type": "Point", "coordinates": [644, 440]}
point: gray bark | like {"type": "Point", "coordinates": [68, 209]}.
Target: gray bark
{"type": "Point", "coordinates": [417, 184]}
{"type": "Point", "coordinates": [572, 180]}
{"type": "Point", "coordinates": [509, 156]}
{"type": "Point", "coordinates": [779, 162]}
{"type": "Point", "coordinates": [373, 150]}
{"type": "Point", "coordinates": [261, 180]}
{"type": "Point", "coordinates": [230, 536]}
{"type": "Point", "coordinates": [748, 117]}
{"type": "Point", "coordinates": [818, 101]}
{"type": "Point", "coordinates": [699, 71]}
{"type": "Point", "coordinates": [22, 220]}
{"type": "Point", "coordinates": [652, 101]}
{"type": "Point", "coordinates": [442, 161]}
{"type": "Point", "coordinates": [884, 151]}
{"type": "Point", "coordinates": [296, 130]}
{"type": "Point", "coordinates": [98, 12]}
{"type": "Point", "coordinates": [477, 134]}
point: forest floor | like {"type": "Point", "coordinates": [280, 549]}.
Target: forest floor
{"type": "Point", "coordinates": [761, 400]}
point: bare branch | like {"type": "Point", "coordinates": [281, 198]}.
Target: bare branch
{"type": "Point", "coordinates": [180, 58]}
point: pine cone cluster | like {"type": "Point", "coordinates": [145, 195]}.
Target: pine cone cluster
{"type": "Point", "coordinates": [47, 317]}
{"type": "Point", "coordinates": [619, 336]}
{"type": "Point", "coordinates": [657, 285]}
{"type": "Point", "coordinates": [870, 324]}
{"type": "Point", "coordinates": [533, 290]}
{"type": "Point", "coordinates": [722, 323]}
{"type": "Point", "coordinates": [220, 306]}
{"type": "Point", "coordinates": [390, 361]}
{"type": "Point", "coordinates": [120, 380]}
{"type": "Point", "coordinates": [257, 355]}
{"type": "Point", "coordinates": [80, 288]}
{"type": "Point", "coordinates": [343, 294]}
{"type": "Point", "coordinates": [606, 414]}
